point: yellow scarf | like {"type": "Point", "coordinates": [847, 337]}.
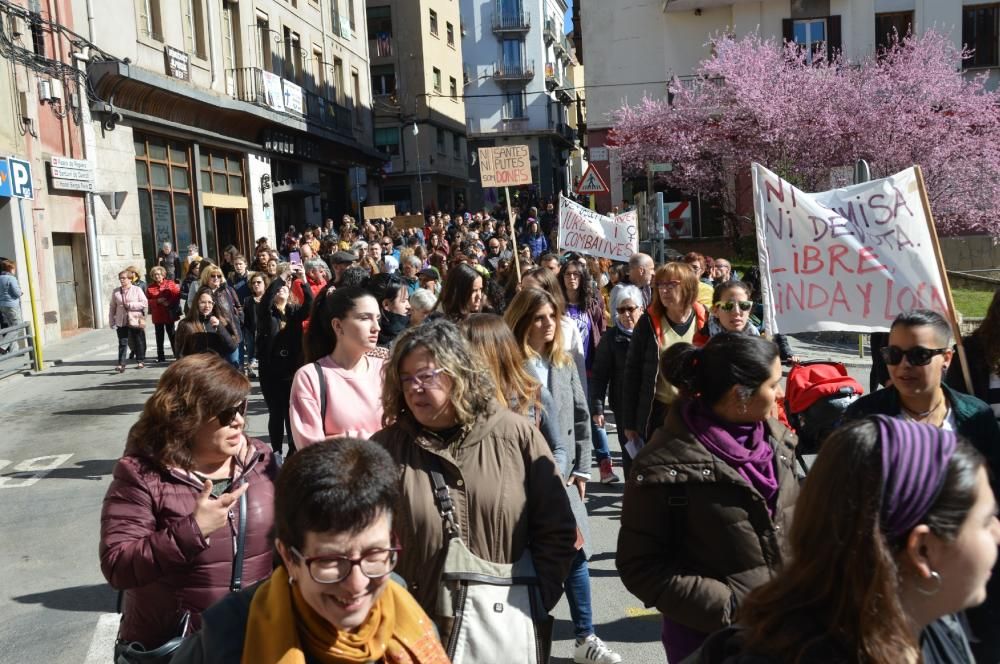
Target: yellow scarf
{"type": "Point", "coordinates": [282, 627]}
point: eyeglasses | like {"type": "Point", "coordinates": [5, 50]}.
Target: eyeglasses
{"type": "Point", "coordinates": [374, 563]}
{"type": "Point", "coordinates": [668, 285]}
{"type": "Point", "coordinates": [729, 306]}
{"type": "Point", "coordinates": [572, 275]}
{"type": "Point", "coordinates": [918, 356]}
{"type": "Point", "coordinates": [627, 310]}
{"type": "Point", "coordinates": [387, 244]}
{"type": "Point", "coordinates": [215, 276]}
{"type": "Point", "coordinates": [228, 416]}
{"type": "Point", "coordinates": [421, 380]}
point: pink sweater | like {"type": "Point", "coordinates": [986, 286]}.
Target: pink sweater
{"type": "Point", "coordinates": [354, 401]}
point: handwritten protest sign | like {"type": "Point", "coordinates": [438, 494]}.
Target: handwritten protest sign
{"type": "Point", "coordinates": [380, 211]}
{"type": "Point", "coordinates": [848, 259]}
{"type": "Point", "coordinates": [505, 166]}
{"type": "Point", "coordinates": [587, 232]}
{"type": "Point", "coordinates": [405, 221]}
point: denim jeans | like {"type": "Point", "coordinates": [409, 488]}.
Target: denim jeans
{"type": "Point", "coordinates": [577, 586]}
{"type": "Point", "coordinates": [599, 437]}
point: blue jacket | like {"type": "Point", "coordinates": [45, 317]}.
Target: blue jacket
{"type": "Point", "coordinates": [10, 290]}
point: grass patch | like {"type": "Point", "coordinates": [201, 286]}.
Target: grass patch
{"type": "Point", "coordinates": [972, 303]}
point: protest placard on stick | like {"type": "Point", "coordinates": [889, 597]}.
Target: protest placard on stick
{"type": "Point", "coordinates": [506, 166]}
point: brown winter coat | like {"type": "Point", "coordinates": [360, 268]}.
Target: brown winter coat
{"type": "Point", "coordinates": [695, 536]}
{"type": "Point", "coordinates": [152, 548]}
{"type": "Point", "coordinates": [507, 493]}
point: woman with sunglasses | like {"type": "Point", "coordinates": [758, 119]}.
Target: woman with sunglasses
{"type": "Point", "coordinates": [674, 316]}
{"type": "Point", "coordinates": [338, 393]}
{"type": "Point", "coordinates": [878, 565]}
{"type": "Point", "coordinates": [710, 497]}
{"type": "Point", "coordinates": [607, 376]}
{"type": "Point", "coordinates": [441, 415]}
{"type": "Point", "coordinates": [187, 483]}
{"type": "Point", "coordinates": [332, 599]}
{"type": "Point", "coordinates": [730, 312]}
{"type": "Point", "coordinates": [918, 356]}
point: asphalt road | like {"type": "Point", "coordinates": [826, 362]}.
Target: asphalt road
{"type": "Point", "coordinates": [63, 430]}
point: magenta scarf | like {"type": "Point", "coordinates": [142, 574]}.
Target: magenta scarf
{"type": "Point", "coordinates": [743, 447]}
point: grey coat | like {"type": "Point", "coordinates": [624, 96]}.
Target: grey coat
{"type": "Point", "coordinates": [566, 415]}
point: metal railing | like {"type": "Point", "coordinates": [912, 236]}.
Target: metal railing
{"type": "Point", "coordinates": [247, 84]}
{"type": "Point", "coordinates": [506, 19]}
{"type": "Point", "coordinates": [550, 33]}
{"type": "Point", "coordinates": [20, 345]}
{"type": "Point", "coordinates": [514, 71]}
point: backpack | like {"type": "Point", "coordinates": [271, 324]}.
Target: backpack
{"type": "Point", "coordinates": [816, 395]}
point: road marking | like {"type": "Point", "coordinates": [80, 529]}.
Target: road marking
{"type": "Point", "coordinates": [35, 469]}
{"type": "Point", "coordinates": [639, 612]}
{"type": "Point", "coordinates": [102, 645]}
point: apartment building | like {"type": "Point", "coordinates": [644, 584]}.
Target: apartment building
{"type": "Point", "coordinates": [516, 57]}
{"type": "Point", "coordinates": [633, 47]}
{"type": "Point", "coordinates": [416, 71]}
{"type": "Point", "coordinates": [206, 122]}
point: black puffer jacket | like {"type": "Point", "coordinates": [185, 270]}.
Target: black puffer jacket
{"type": "Point", "coordinates": [607, 376]}
{"type": "Point", "coordinates": [279, 348]}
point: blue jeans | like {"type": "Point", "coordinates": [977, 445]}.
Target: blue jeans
{"type": "Point", "coordinates": [234, 358]}
{"type": "Point", "coordinates": [599, 437]}
{"type": "Point", "coordinates": [577, 586]}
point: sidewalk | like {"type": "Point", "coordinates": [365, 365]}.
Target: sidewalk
{"type": "Point", "coordinates": [85, 344]}
{"type": "Point", "coordinates": [812, 349]}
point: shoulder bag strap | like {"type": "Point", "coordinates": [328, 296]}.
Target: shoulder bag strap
{"type": "Point", "coordinates": [442, 499]}
{"type": "Point", "coordinates": [322, 395]}
{"type": "Point", "coordinates": [241, 539]}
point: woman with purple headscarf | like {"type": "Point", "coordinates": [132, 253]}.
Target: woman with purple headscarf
{"type": "Point", "coordinates": [895, 532]}
{"type": "Point", "coordinates": [709, 498]}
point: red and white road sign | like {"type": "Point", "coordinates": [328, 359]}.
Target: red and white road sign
{"type": "Point", "coordinates": [591, 182]}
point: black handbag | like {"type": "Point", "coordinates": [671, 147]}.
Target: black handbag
{"type": "Point", "coordinates": [135, 653]}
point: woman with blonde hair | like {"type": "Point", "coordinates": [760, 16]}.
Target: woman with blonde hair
{"type": "Point", "coordinates": [673, 316]}
{"type": "Point", "coordinates": [533, 316]}
{"type": "Point", "coordinates": [444, 426]}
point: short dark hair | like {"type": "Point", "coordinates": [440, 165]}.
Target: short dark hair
{"type": "Point", "coordinates": [384, 287]}
{"type": "Point", "coordinates": [922, 317]}
{"type": "Point", "coordinates": [727, 359]}
{"type": "Point", "coordinates": [339, 486]}
{"type": "Point", "coordinates": [352, 276]}
{"type": "Point", "coordinates": [729, 285]}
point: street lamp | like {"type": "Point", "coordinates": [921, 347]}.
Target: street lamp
{"type": "Point", "coordinates": [420, 177]}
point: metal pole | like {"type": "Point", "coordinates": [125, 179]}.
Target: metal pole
{"type": "Point", "coordinates": [862, 173]}
{"type": "Point", "coordinates": [420, 177]}
{"type": "Point", "coordinates": [32, 295]}
{"type": "Point", "coordinates": [513, 234]}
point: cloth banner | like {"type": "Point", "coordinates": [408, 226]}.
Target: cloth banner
{"type": "Point", "coordinates": [587, 232]}
{"type": "Point", "coordinates": [845, 260]}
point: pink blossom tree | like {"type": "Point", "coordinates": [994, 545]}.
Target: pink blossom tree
{"type": "Point", "coordinates": [759, 100]}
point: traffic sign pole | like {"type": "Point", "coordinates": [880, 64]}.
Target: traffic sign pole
{"type": "Point", "coordinates": [32, 296]}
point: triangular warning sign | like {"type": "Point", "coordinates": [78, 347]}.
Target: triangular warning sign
{"type": "Point", "coordinates": [591, 182]}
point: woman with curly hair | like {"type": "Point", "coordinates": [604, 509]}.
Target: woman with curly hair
{"type": "Point", "coordinates": [190, 489]}
{"type": "Point", "coordinates": [442, 418]}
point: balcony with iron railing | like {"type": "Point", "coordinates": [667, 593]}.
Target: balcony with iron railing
{"type": "Point", "coordinates": [513, 125]}
{"type": "Point", "coordinates": [553, 79]}
{"type": "Point", "coordinates": [514, 72]}
{"type": "Point", "coordinates": [510, 20]}
{"type": "Point", "coordinates": [380, 46]}
{"type": "Point", "coordinates": [550, 33]}
{"type": "Point", "coordinates": [248, 84]}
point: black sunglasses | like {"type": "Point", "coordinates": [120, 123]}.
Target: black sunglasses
{"type": "Point", "coordinates": [917, 356]}
{"type": "Point", "coordinates": [228, 416]}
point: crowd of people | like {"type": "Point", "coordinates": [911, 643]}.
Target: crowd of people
{"type": "Point", "coordinates": [439, 399]}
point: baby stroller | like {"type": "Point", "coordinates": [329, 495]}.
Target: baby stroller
{"type": "Point", "coordinates": [816, 395]}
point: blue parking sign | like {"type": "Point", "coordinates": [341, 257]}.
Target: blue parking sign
{"type": "Point", "coordinates": [4, 178]}
{"type": "Point", "coordinates": [21, 185]}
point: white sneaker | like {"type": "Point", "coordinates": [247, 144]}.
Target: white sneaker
{"type": "Point", "coordinates": [594, 651]}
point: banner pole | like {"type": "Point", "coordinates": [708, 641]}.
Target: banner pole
{"type": "Point", "coordinates": [513, 234]}
{"type": "Point", "coordinates": [944, 281]}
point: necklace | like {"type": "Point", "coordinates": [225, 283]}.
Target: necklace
{"type": "Point", "coordinates": [919, 416]}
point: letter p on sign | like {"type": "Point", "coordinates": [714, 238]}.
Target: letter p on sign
{"type": "Point", "coordinates": [21, 185]}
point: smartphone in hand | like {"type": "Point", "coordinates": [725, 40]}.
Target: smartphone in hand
{"type": "Point", "coordinates": [295, 258]}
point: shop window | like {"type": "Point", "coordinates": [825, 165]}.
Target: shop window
{"type": "Point", "coordinates": [163, 182]}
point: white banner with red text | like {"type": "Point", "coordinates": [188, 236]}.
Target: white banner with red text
{"type": "Point", "coordinates": [592, 234]}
